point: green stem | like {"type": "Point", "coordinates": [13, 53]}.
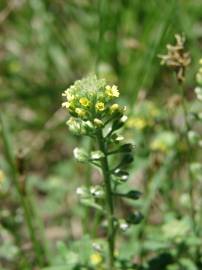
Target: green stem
{"type": "Point", "coordinates": [191, 179]}
{"type": "Point", "coordinates": [102, 9]}
{"type": "Point", "coordinates": [88, 183]}
{"type": "Point", "coordinates": [24, 201]}
{"type": "Point", "coordinates": [37, 246]}
{"type": "Point", "coordinates": [109, 201]}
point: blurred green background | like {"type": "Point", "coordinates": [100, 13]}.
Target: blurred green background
{"type": "Point", "coordinates": [45, 45]}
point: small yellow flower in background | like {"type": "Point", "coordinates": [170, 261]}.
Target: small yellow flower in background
{"type": "Point", "coordinates": [80, 112]}
{"type": "Point", "coordinates": [200, 61]}
{"type": "Point", "coordinates": [112, 91]}
{"type": "Point", "coordinates": [2, 177]}
{"type": "Point", "coordinates": [84, 101]}
{"type": "Point", "coordinates": [159, 146]}
{"type": "Point", "coordinates": [96, 258]}
{"type": "Point", "coordinates": [100, 106]}
{"type": "Point", "coordinates": [163, 142]}
{"type": "Point", "coordinates": [137, 122]}
{"type": "Point", "coordinates": [153, 110]}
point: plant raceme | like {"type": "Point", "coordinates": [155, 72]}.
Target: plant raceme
{"type": "Point", "coordinates": [95, 113]}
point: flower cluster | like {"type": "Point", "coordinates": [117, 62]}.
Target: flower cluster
{"type": "Point", "coordinates": [177, 58]}
{"type": "Point", "coordinates": [91, 103]}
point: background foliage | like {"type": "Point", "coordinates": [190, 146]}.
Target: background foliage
{"type": "Point", "coordinates": [44, 46]}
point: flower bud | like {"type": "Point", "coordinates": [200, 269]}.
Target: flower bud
{"type": "Point", "coordinates": [98, 123]}
{"type": "Point", "coordinates": [114, 108]}
{"type": "Point", "coordinates": [75, 126]}
{"type": "Point", "coordinates": [97, 191]}
{"type": "Point", "coordinates": [97, 154]}
{"type": "Point", "coordinates": [80, 154]}
{"type": "Point", "coordinates": [82, 192]}
{"type": "Point", "coordinates": [123, 225]}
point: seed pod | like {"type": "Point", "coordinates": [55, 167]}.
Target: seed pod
{"type": "Point", "coordinates": [135, 218]}
{"type": "Point", "coordinates": [122, 175]}
{"type": "Point", "coordinates": [133, 194]}
{"type": "Point", "coordinates": [128, 147]}
{"type": "Point", "coordinates": [127, 159]}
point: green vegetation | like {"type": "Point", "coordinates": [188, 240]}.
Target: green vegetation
{"type": "Point", "coordinates": [119, 186]}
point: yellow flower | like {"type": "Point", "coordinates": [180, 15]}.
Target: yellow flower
{"type": "Point", "coordinates": [112, 91]}
{"type": "Point", "coordinates": [2, 176]}
{"type": "Point", "coordinates": [200, 61]}
{"type": "Point", "coordinates": [80, 112]}
{"type": "Point", "coordinates": [84, 101]}
{"type": "Point", "coordinates": [96, 258]}
{"type": "Point", "coordinates": [100, 106]}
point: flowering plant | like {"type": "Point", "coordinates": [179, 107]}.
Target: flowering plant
{"type": "Point", "coordinates": [95, 113]}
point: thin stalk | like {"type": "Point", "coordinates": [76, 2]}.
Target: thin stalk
{"type": "Point", "coordinates": [24, 201]}
{"type": "Point", "coordinates": [191, 178]}
{"type": "Point", "coordinates": [97, 220]}
{"type": "Point", "coordinates": [157, 177]}
{"type": "Point", "coordinates": [109, 201]}
{"type": "Point", "coordinates": [102, 10]}
{"type": "Point", "coordinates": [88, 174]}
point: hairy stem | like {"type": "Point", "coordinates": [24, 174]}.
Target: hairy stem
{"type": "Point", "coordinates": [109, 201]}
